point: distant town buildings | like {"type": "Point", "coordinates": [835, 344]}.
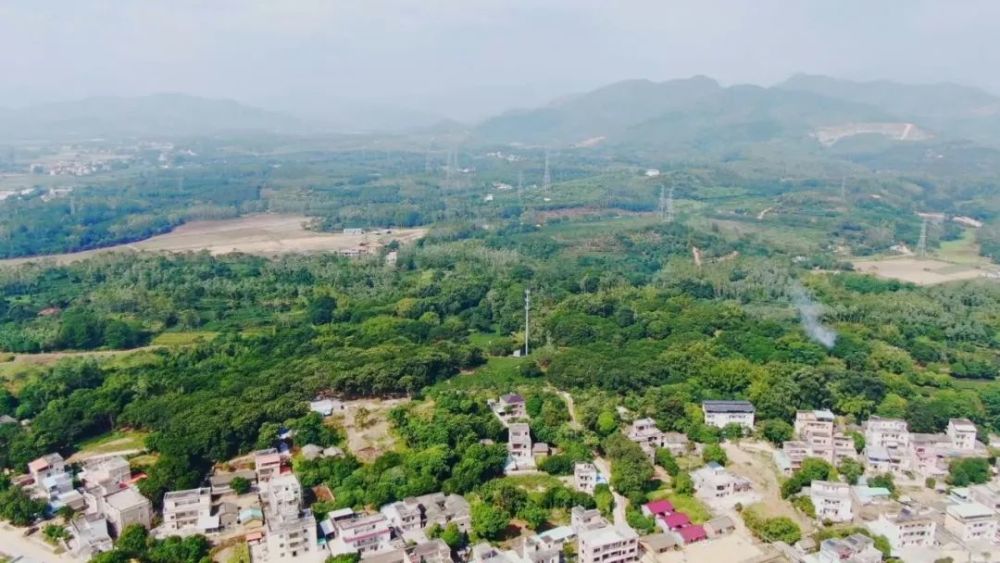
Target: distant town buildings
{"type": "Point", "coordinates": [723, 413]}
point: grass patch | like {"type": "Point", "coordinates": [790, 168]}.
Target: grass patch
{"type": "Point", "coordinates": [501, 373]}
{"type": "Point", "coordinates": [484, 339]}
{"type": "Point", "coordinates": [114, 441]}
{"type": "Point", "coordinates": [183, 338]}
{"type": "Point", "coordinates": [533, 483]}
{"type": "Point", "coordinates": [15, 375]}
{"type": "Point", "coordinates": [964, 250]}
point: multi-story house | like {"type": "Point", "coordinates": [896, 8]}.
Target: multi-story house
{"type": "Point", "coordinates": [931, 454]}
{"type": "Point", "coordinates": [608, 544]}
{"type": "Point", "coordinates": [362, 534]}
{"type": "Point", "coordinates": [585, 477]}
{"type": "Point", "coordinates": [123, 508]}
{"type": "Point", "coordinates": [832, 501]}
{"type": "Point", "coordinates": [905, 529]}
{"type": "Point", "coordinates": [714, 484]}
{"type": "Point", "coordinates": [511, 407]}
{"type": "Point", "coordinates": [887, 445]}
{"type": "Point", "coordinates": [856, 548]}
{"type": "Point", "coordinates": [971, 522]}
{"type": "Point", "coordinates": [817, 438]}
{"type": "Point", "coordinates": [110, 472]}
{"type": "Point", "coordinates": [50, 476]}
{"type": "Point", "coordinates": [416, 514]}
{"type": "Point", "coordinates": [723, 413]}
{"type": "Point", "coordinates": [961, 433]}
{"type": "Point", "coordinates": [290, 530]}
{"type": "Point", "coordinates": [188, 512]}
{"type": "Point", "coordinates": [267, 464]}
{"type": "Point", "coordinates": [519, 446]}
{"type": "Point", "coordinates": [89, 536]}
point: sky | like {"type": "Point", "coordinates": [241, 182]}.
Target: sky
{"type": "Point", "coordinates": [467, 59]}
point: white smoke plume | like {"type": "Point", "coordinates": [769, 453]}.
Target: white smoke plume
{"type": "Point", "coordinates": [809, 314]}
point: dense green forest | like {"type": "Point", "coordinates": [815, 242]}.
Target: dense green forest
{"type": "Point", "coordinates": [623, 315]}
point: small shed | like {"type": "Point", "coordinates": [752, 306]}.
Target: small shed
{"type": "Point", "coordinates": [719, 526]}
{"type": "Point", "coordinates": [658, 543]}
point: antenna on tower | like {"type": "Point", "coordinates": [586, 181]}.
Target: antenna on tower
{"type": "Point", "coordinates": [527, 319]}
{"type": "Point", "coordinates": [546, 178]}
{"type": "Point", "coordinates": [922, 243]}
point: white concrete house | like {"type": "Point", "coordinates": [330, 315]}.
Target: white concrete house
{"type": "Point", "coordinates": [832, 501]}
{"type": "Point", "coordinates": [723, 413]}
{"type": "Point", "coordinates": [905, 529]}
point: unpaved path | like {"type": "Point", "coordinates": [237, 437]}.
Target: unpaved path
{"type": "Point", "coordinates": [752, 461]}
{"type": "Point", "coordinates": [14, 544]}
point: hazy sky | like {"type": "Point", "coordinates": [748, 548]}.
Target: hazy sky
{"type": "Point", "coordinates": [469, 57]}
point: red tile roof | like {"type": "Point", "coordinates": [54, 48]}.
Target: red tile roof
{"type": "Point", "coordinates": [692, 534]}
{"type": "Point", "coordinates": [660, 507]}
{"type": "Point", "coordinates": [676, 520]}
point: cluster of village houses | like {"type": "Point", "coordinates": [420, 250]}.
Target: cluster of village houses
{"type": "Point", "coordinates": [278, 526]}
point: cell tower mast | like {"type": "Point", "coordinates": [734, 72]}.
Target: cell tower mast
{"type": "Point", "coordinates": [546, 178]}
{"type": "Point", "coordinates": [922, 243]}
{"type": "Point", "coordinates": [527, 319]}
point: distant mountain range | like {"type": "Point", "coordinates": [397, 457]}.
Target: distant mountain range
{"type": "Point", "coordinates": [694, 114]}
{"type": "Point", "coordinates": [698, 113]}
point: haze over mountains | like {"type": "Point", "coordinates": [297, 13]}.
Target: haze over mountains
{"type": "Point", "coordinates": [693, 113]}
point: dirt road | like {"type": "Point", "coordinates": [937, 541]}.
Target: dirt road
{"type": "Point", "coordinates": [13, 544]}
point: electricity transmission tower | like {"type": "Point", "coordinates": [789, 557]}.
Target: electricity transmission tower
{"type": "Point", "coordinates": [546, 178]}
{"type": "Point", "coordinates": [670, 205]}
{"type": "Point", "coordinates": [922, 243]}
{"type": "Point", "coordinates": [527, 319]}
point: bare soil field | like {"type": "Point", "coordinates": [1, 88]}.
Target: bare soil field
{"type": "Point", "coordinates": [267, 235]}
{"type": "Point", "coordinates": [921, 271]}
{"type": "Point", "coordinates": [366, 422]}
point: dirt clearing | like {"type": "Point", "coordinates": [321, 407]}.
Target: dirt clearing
{"type": "Point", "coordinates": [267, 235]}
{"type": "Point", "coordinates": [921, 271]}
{"type": "Point", "coordinates": [366, 422]}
